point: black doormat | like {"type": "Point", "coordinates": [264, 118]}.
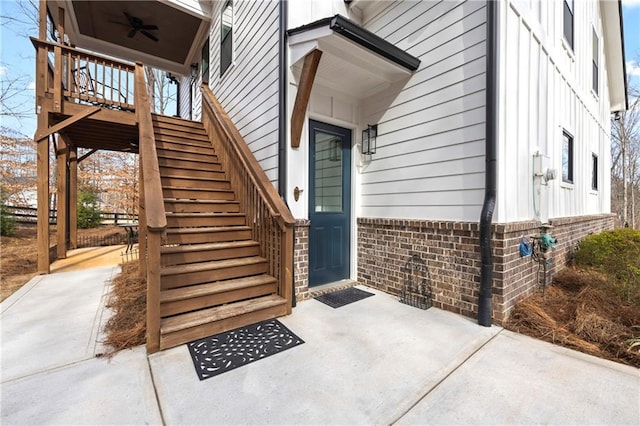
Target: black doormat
{"type": "Point", "coordinates": [226, 351]}
{"type": "Point", "coordinates": [340, 298]}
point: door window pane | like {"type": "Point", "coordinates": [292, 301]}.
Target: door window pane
{"type": "Point", "coordinates": [328, 173]}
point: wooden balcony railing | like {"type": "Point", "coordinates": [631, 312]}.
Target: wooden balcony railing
{"type": "Point", "coordinates": [152, 217]}
{"type": "Point", "coordinates": [270, 220]}
{"type": "Point", "coordinates": [74, 74]}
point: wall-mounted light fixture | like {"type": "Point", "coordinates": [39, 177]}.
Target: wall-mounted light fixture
{"type": "Point", "coordinates": [194, 71]}
{"type": "Point", "coordinates": [617, 116]}
{"type": "Point", "coordinates": [369, 136]}
{"type": "Point", "coordinates": [335, 149]}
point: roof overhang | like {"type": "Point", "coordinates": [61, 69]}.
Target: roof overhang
{"type": "Point", "coordinates": [355, 61]}
{"type": "Point", "coordinates": [102, 27]}
{"type": "Point", "coordinates": [614, 52]}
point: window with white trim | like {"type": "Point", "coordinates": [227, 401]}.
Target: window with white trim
{"type": "Point", "coordinates": [595, 61]}
{"type": "Point", "coordinates": [567, 157]}
{"type": "Point", "coordinates": [204, 66]}
{"type": "Point", "coordinates": [226, 37]}
{"type": "Point", "coordinates": [594, 172]}
{"type": "Point", "coordinates": [567, 22]}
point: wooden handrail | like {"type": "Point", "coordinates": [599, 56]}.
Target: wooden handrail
{"type": "Point", "coordinates": [153, 220]}
{"type": "Point", "coordinates": [154, 203]}
{"type": "Point", "coordinates": [259, 178]}
{"type": "Point", "coordinates": [68, 73]}
{"type": "Point", "coordinates": [85, 53]}
{"type": "Point", "coordinates": [266, 213]}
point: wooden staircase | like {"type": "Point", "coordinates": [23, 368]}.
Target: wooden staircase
{"type": "Point", "coordinates": [213, 276]}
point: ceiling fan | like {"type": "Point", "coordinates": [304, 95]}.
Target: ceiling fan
{"type": "Point", "coordinates": [138, 24]}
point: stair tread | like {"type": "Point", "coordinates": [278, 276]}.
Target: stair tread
{"type": "Point", "coordinates": [205, 214]}
{"type": "Point", "coordinates": [204, 316]}
{"type": "Point", "coordinates": [204, 179]}
{"type": "Point", "coordinates": [179, 200]}
{"type": "Point", "coordinates": [197, 189]}
{"type": "Point", "coordinates": [205, 229]}
{"type": "Point", "coordinates": [199, 290]}
{"type": "Point", "coordinates": [211, 265]}
{"type": "Point", "coordinates": [199, 158]}
{"type": "Point", "coordinates": [188, 248]}
{"type": "Point", "coordinates": [169, 119]}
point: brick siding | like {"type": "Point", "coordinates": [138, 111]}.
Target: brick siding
{"type": "Point", "coordinates": [301, 259]}
{"type": "Point", "coordinates": [451, 253]}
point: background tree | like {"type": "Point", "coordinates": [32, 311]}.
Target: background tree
{"type": "Point", "coordinates": [625, 165]}
{"type": "Point", "coordinates": [17, 168]}
{"type": "Point", "coordinates": [88, 208]}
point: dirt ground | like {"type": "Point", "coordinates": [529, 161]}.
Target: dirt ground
{"type": "Point", "coordinates": [18, 255]}
{"type": "Point", "coordinates": [581, 311]}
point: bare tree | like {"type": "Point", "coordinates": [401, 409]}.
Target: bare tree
{"type": "Point", "coordinates": [625, 166]}
{"type": "Point", "coordinates": [17, 168]}
{"type": "Point", "coordinates": [159, 87]}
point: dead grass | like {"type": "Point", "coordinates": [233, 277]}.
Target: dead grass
{"type": "Point", "coordinates": [127, 326]}
{"type": "Point", "coordinates": [580, 311]}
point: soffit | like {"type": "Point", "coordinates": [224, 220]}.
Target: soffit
{"type": "Point", "coordinates": [103, 27]}
{"type": "Point", "coordinates": [348, 64]}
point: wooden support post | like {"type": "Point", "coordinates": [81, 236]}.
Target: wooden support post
{"type": "Point", "coordinates": [73, 197]}
{"type": "Point", "coordinates": [309, 69]}
{"type": "Point", "coordinates": [142, 226]}
{"type": "Point", "coordinates": [153, 291]}
{"type": "Point", "coordinates": [286, 272]}
{"type": "Point", "coordinates": [58, 68]}
{"type": "Point", "coordinates": [41, 60]}
{"type": "Point", "coordinates": [43, 197]}
{"type": "Point", "coordinates": [62, 155]}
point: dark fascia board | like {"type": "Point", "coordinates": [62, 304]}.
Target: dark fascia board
{"type": "Point", "coordinates": [624, 63]}
{"type": "Point", "coordinates": [365, 38]}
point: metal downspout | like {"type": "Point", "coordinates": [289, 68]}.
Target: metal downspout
{"type": "Point", "coordinates": [486, 272]}
{"type": "Point", "coordinates": [282, 117]}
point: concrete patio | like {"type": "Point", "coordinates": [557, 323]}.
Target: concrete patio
{"type": "Point", "coordinates": [375, 361]}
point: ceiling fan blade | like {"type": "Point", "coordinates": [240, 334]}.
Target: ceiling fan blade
{"type": "Point", "coordinates": [119, 23]}
{"type": "Point", "coordinates": [148, 34]}
{"type": "Point", "coordinates": [149, 27]}
{"type": "Point", "coordinates": [129, 19]}
{"type": "Point", "coordinates": [132, 32]}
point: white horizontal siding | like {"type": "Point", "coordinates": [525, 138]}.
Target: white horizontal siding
{"type": "Point", "coordinates": [430, 158]}
{"type": "Point", "coordinates": [249, 89]}
{"type": "Point", "coordinates": [545, 88]}
{"type": "Point", "coordinates": [185, 97]}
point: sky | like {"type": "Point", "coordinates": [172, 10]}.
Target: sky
{"type": "Point", "coordinates": [17, 60]}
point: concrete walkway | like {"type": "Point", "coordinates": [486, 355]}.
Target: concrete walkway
{"type": "Point", "coordinates": [375, 361]}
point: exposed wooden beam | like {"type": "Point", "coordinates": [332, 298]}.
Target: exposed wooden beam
{"type": "Point", "coordinates": [65, 123]}
{"type": "Point", "coordinates": [309, 69]}
{"type": "Point", "coordinates": [104, 114]}
{"type": "Point", "coordinates": [87, 155]}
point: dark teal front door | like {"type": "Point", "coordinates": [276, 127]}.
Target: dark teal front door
{"type": "Point", "coordinates": [329, 202]}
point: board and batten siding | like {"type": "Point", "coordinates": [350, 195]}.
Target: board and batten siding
{"type": "Point", "coordinates": [248, 90]}
{"type": "Point", "coordinates": [431, 133]}
{"type": "Point", "coordinates": [545, 87]}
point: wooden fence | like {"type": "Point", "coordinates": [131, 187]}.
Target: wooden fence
{"type": "Point", "coordinates": [29, 215]}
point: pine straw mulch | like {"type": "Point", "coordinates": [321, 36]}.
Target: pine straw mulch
{"type": "Point", "coordinates": [580, 311]}
{"type": "Point", "coordinates": [127, 326]}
